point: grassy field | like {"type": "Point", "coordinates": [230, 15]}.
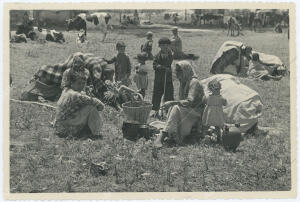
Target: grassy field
{"type": "Point", "coordinates": [42, 162]}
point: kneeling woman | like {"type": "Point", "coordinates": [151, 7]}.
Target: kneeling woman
{"type": "Point", "coordinates": [76, 112]}
{"type": "Point", "coordinates": [186, 113]}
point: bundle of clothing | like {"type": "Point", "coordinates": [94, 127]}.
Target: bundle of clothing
{"type": "Point", "coordinates": [244, 105]}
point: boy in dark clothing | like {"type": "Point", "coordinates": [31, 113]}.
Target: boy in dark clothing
{"type": "Point", "coordinates": [163, 83]}
{"type": "Point", "coordinates": [122, 65]}
{"type": "Point", "coordinates": [147, 47]}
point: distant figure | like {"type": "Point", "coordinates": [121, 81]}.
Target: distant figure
{"type": "Point", "coordinates": [25, 19]}
{"type": "Point", "coordinates": [175, 18]}
{"type": "Point", "coordinates": [176, 47]}
{"type": "Point", "coordinates": [232, 26]}
{"type": "Point", "coordinates": [81, 38]}
{"type": "Point", "coordinates": [278, 28]}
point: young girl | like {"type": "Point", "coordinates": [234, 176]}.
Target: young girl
{"type": "Point", "coordinates": [147, 47]}
{"type": "Point", "coordinates": [141, 76]}
{"type": "Point", "coordinates": [213, 114]}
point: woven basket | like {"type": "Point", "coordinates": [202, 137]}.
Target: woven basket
{"type": "Point", "coordinates": [137, 111]}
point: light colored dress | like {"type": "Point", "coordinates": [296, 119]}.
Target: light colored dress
{"type": "Point", "coordinates": [182, 117]}
{"type": "Point", "coordinates": [213, 114]}
{"type": "Point", "coordinates": [75, 111]}
{"type": "Point", "coordinates": [141, 77]}
{"type": "Point", "coordinates": [257, 70]}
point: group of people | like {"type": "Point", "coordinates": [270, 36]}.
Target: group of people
{"type": "Point", "coordinates": [235, 58]}
{"type": "Point", "coordinates": [77, 113]}
{"type": "Point", "coordinates": [78, 107]}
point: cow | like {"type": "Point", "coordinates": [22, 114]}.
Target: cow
{"type": "Point", "coordinates": [77, 23]}
{"type": "Point", "coordinates": [97, 19]}
{"type": "Point", "coordinates": [55, 36]}
{"type": "Point", "coordinates": [18, 38]}
{"type": "Point", "coordinates": [43, 35]}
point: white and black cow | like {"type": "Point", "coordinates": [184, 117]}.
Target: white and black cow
{"type": "Point", "coordinates": [47, 35]}
{"type": "Point", "coordinates": [97, 19]}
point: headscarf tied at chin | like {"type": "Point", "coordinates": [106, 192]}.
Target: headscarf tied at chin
{"type": "Point", "coordinates": [188, 72]}
{"type": "Point", "coordinates": [78, 64]}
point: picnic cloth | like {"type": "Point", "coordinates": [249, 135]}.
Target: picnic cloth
{"type": "Point", "coordinates": [244, 105]}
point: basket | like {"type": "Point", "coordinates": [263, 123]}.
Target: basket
{"type": "Point", "coordinates": [137, 111]}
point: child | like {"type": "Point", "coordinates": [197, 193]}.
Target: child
{"type": "Point", "coordinates": [122, 65]}
{"type": "Point", "coordinates": [77, 112]}
{"type": "Point", "coordinates": [81, 38]}
{"type": "Point", "coordinates": [163, 84]}
{"type": "Point", "coordinates": [213, 114]}
{"type": "Point", "coordinates": [147, 47]}
{"type": "Point", "coordinates": [141, 77]}
{"type": "Point", "coordinates": [257, 70]}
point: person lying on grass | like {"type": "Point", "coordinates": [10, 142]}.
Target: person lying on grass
{"type": "Point", "coordinates": [257, 70]}
{"type": "Point", "coordinates": [186, 113]}
{"type": "Point", "coordinates": [78, 114]}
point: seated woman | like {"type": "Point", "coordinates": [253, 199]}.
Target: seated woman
{"type": "Point", "coordinates": [257, 70]}
{"type": "Point", "coordinates": [186, 113]}
{"type": "Point", "coordinates": [76, 112]}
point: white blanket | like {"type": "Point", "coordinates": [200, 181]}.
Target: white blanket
{"type": "Point", "coordinates": [244, 104]}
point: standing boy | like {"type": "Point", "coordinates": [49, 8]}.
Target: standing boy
{"type": "Point", "coordinates": [163, 84]}
{"type": "Point", "coordinates": [122, 65]}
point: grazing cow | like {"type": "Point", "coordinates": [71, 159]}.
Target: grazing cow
{"type": "Point", "coordinates": [97, 19]}
{"type": "Point", "coordinates": [77, 23]}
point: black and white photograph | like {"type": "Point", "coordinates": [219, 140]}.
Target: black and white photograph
{"type": "Point", "coordinates": [150, 99]}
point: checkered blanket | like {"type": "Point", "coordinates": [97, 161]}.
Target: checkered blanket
{"type": "Point", "coordinates": [54, 73]}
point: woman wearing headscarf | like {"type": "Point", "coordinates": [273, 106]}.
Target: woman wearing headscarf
{"type": "Point", "coordinates": [77, 113]}
{"type": "Point", "coordinates": [186, 113]}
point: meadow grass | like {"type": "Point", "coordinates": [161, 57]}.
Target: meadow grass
{"type": "Point", "coordinates": [43, 162]}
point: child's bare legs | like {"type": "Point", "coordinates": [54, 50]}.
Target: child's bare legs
{"type": "Point", "coordinates": [104, 36]}
{"type": "Point", "coordinates": [159, 139]}
{"type": "Point", "coordinates": [142, 92]}
{"type": "Point", "coordinates": [218, 131]}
